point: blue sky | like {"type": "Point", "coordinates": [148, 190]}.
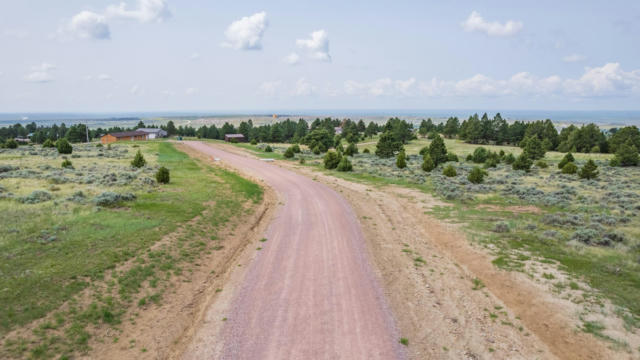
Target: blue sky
{"type": "Point", "coordinates": [191, 55]}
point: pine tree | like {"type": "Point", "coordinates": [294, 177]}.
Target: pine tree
{"type": "Point", "coordinates": [567, 158]}
{"type": "Point", "coordinates": [533, 148]}
{"type": "Point", "coordinates": [589, 170]}
{"type": "Point", "coordinates": [139, 160]}
{"type": "Point", "coordinates": [522, 162]}
{"type": "Point", "coordinates": [627, 155]}
{"type": "Point", "coordinates": [427, 163]}
{"type": "Point", "coordinates": [401, 161]}
{"type": "Point", "coordinates": [476, 175]}
{"type": "Point", "coordinates": [438, 151]}
{"type": "Point", "coordinates": [387, 145]}
{"type": "Point", "coordinates": [63, 146]}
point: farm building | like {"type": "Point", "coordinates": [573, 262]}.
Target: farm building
{"type": "Point", "coordinates": [235, 137]}
{"type": "Point", "coordinates": [154, 133]}
{"type": "Point", "coordinates": [124, 136]}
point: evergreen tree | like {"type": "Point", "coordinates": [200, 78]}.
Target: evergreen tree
{"type": "Point", "coordinates": [401, 161]}
{"type": "Point", "coordinates": [569, 168]}
{"type": "Point", "coordinates": [522, 162]}
{"type": "Point", "coordinates": [451, 127]}
{"type": "Point", "coordinates": [449, 171]}
{"type": "Point", "coordinates": [427, 163]}
{"type": "Point", "coordinates": [567, 158]}
{"type": "Point", "coordinates": [627, 155]}
{"type": "Point", "coordinates": [351, 150]}
{"type": "Point", "coordinates": [438, 151]}
{"type": "Point", "coordinates": [344, 164]}
{"type": "Point", "coordinates": [387, 145]}
{"type": "Point", "coordinates": [163, 175]}
{"type": "Point", "coordinates": [171, 128]}
{"type": "Point", "coordinates": [533, 148]}
{"type": "Point", "coordinates": [589, 170]}
{"type": "Point", "coordinates": [331, 160]}
{"type": "Point", "coordinates": [476, 175]}
{"type": "Point", "coordinates": [138, 161]}
{"type": "Point", "coordinates": [63, 146]}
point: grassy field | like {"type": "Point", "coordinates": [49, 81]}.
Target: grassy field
{"type": "Point", "coordinates": [68, 244]}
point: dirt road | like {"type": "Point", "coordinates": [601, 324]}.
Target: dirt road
{"type": "Point", "coordinates": [310, 293]}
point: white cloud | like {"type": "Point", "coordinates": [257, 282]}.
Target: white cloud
{"type": "Point", "coordinates": [40, 73]}
{"type": "Point", "coordinates": [104, 77]}
{"type": "Point", "coordinates": [89, 25]}
{"type": "Point", "coordinates": [573, 58]}
{"type": "Point", "coordinates": [194, 56]}
{"type": "Point", "coordinates": [304, 88]}
{"type": "Point", "coordinates": [316, 46]}
{"type": "Point", "coordinates": [292, 59]}
{"type": "Point", "coordinates": [146, 12]}
{"type": "Point", "coordinates": [246, 33]}
{"type": "Point", "coordinates": [380, 87]}
{"type": "Point", "coordinates": [135, 90]}
{"type": "Point", "coordinates": [607, 80]}
{"type": "Point", "coordinates": [475, 22]}
{"type": "Point", "coordinates": [270, 88]}
{"type": "Point", "coordinates": [190, 91]}
{"type": "Point", "coordinates": [168, 92]}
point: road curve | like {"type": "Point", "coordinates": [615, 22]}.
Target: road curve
{"type": "Point", "coordinates": [310, 293]}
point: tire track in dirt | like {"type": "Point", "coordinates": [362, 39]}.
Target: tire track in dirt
{"type": "Point", "coordinates": [310, 292]}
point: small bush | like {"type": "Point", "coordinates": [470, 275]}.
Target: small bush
{"type": "Point", "coordinates": [302, 160]}
{"type": "Point", "coordinates": [627, 155]}
{"type": "Point", "coordinates": [48, 144]}
{"type": "Point", "coordinates": [509, 159]}
{"type": "Point", "coordinates": [268, 149]}
{"type": "Point", "coordinates": [11, 144]}
{"type": "Point", "coordinates": [351, 150]}
{"type": "Point", "coordinates": [427, 163]}
{"type": "Point", "coordinates": [490, 163]}
{"type": "Point", "coordinates": [344, 165]}
{"type": "Point", "coordinates": [452, 157]}
{"type": "Point", "coordinates": [501, 227]}
{"type": "Point", "coordinates": [296, 148]}
{"type": "Point", "coordinates": [542, 164]}
{"type": "Point", "coordinates": [366, 151]}
{"type": "Point", "coordinates": [63, 146]}
{"type": "Point", "coordinates": [109, 198]}
{"type": "Point", "coordinates": [36, 197]}
{"type": "Point", "coordinates": [163, 176]}
{"type": "Point", "coordinates": [566, 159]}
{"type": "Point", "coordinates": [401, 160]}
{"type": "Point", "coordinates": [289, 153]}
{"type": "Point", "coordinates": [569, 168]}
{"type": "Point", "coordinates": [449, 171]}
{"type": "Point", "coordinates": [138, 161]}
{"type": "Point", "coordinates": [480, 155]}
{"type": "Point", "coordinates": [476, 175]}
{"type": "Point", "coordinates": [99, 145]}
{"type": "Point", "coordinates": [522, 163]}
{"type": "Point", "coordinates": [67, 164]}
{"type": "Point", "coordinates": [254, 142]}
{"type": "Point", "coordinates": [589, 170]}
{"type": "Point", "coordinates": [331, 160]}
{"type": "Point", "coordinates": [585, 236]}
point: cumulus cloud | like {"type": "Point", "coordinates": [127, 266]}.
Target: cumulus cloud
{"type": "Point", "coordinates": [194, 56]}
{"type": "Point", "coordinates": [292, 59]}
{"type": "Point", "coordinates": [146, 11]}
{"type": "Point", "coordinates": [40, 73]}
{"type": "Point", "coordinates": [573, 58]}
{"type": "Point", "coordinates": [135, 90]}
{"type": "Point", "coordinates": [270, 88]}
{"type": "Point", "coordinates": [304, 88]}
{"type": "Point", "coordinates": [89, 25]}
{"type": "Point", "coordinates": [246, 33]}
{"type": "Point", "coordinates": [190, 91]}
{"type": "Point", "coordinates": [316, 46]}
{"type": "Point", "coordinates": [607, 80]}
{"type": "Point", "coordinates": [475, 22]}
{"type": "Point", "coordinates": [104, 77]}
{"type": "Point", "coordinates": [380, 87]}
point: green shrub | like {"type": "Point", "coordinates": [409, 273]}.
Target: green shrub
{"type": "Point", "coordinates": [569, 168]}
{"type": "Point", "coordinates": [476, 175]}
{"type": "Point", "coordinates": [449, 171]}
{"type": "Point", "coordinates": [532, 147]}
{"type": "Point", "coordinates": [99, 145]}
{"type": "Point", "coordinates": [480, 155]}
{"type": "Point", "coordinates": [317, 150]}
{"type": "Point", "coordinates": [501, 227]}
{"type": "Point", "coordinates": [48, 144]}
{"type": "Point", "coordinates": [344, 165]}
{"type": "Point", "coordinates": [595, 149]}
{"type": "Point", "coordinates": [424, 150]}
{"type": "Point", "coordinates": [509, 159]}
{"type": "Point", "coordinates": [452, 157]}
{"type": "Point", "coordinates": [351, 150]}
{"type": "Point", "coordinates": [366, 151]}
{"type": "Point", "coordinates": [522, 162]}
{"type": "Point", "coordinates": [490, 163]}
{"type": "Point", "coordinates": [63, 146]}
{"type": "Point", "coordinates": [566, 159]}
{"type": "Point", "coordinates": [138, 161]}
{"type": "Point", "coordinates": [254, 142]}
{"type": "Point", "coordinates": [331, 160]}
{"type": "Point", "coordinates": [388, 145]}
{"type": "Point", "coordinates": [11, 144]}
{"type": "Point", "coordinates": [542, 164]}
{"type": "Point", "coordinates": [268, 149]}
{"type": "Point", "coordinates": [37, 196]}
{"type": "Point", "coordinates": [296, 148]}
{"type": "Point", "coordinates": [67, 164]}
{"type": "Point", "coordinates": [438, 150]}
{"type": "Point", "coordinates": [627, 155]}
{"type": "Point", "coordinates": [589, 170]}
{"type": "Point", "coordinates": [401, 160]}
{"type": "Point", "coordinates": [109, 198]}
{"type": "Point", "coordinates": [289, 153]}
{"type": "Point", "coordinates": [302, 160]}
{"type": "Point", "coordinates": [340, 148]}
{"type": "Point", "coordinates": [427, 163]}
{"type": "Point", "coordinates": [163, 176]}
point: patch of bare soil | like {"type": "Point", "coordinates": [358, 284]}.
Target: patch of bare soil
{"type": "Point", "coordinates": [449, 300]}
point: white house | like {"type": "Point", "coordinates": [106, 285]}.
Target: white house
{"type": "Point", "coordinates": [154, 133]}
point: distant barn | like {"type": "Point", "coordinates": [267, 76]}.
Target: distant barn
{"type": "Point", "coordinates": [235, 137]}
{"type": "Point", "coordinates": [124, 136]}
